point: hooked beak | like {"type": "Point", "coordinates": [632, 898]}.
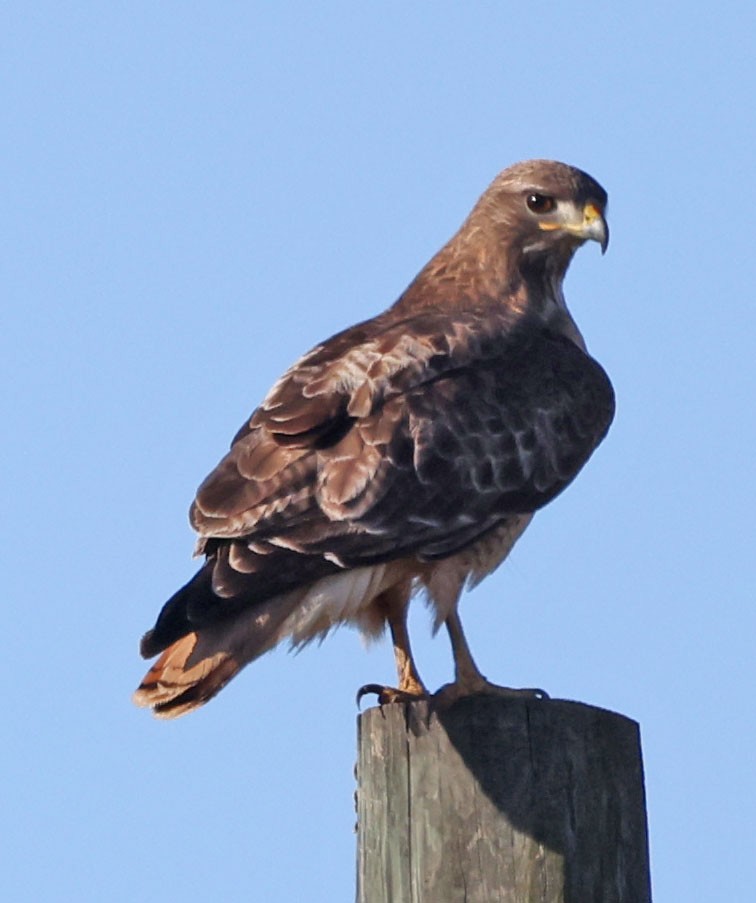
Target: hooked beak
{"type": "Point", "coordinates": [593, 226]}
{"type": "Point", "coordinates": [588, 223]}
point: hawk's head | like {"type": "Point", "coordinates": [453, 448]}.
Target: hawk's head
{"type": "Point", "coordinates": [547, 208]}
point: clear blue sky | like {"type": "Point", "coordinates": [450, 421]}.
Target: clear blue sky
{"type": "Point", "coordinates": [195, 193]}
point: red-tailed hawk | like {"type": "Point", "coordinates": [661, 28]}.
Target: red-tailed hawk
{"type": "Point", "coordinates": [406, 453]}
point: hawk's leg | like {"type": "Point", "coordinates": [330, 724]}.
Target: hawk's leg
{"type": "Point", "coordinates": [410, 686]}
{"type": "Point", "coordinates": [468, 679]}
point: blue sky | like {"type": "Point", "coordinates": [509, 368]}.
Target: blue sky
{"type": "Point", "coordinates": [193, 194]}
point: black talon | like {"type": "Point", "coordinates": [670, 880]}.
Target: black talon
{"type": "Point", "coordinates": [366, 689]}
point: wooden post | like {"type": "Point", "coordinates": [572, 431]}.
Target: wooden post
{"type": "Point", "coordinates": [537, 801]}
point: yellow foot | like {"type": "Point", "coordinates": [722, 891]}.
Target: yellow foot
{"type": "Point", "coordinates": [450, 693]}
{"type": "Point", "coordinates": [387, 695]}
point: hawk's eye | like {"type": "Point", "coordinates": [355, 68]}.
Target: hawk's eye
{"type": "Point", "coordinates": [540, 203]}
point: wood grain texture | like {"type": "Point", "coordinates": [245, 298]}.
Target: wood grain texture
{"type": "Point", "coordinates": [536, 801]}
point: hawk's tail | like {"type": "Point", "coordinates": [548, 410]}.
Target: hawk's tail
{"type": "Point", "coordinates": [195, 667]}
{"type": "Point", "coordinates": [174, 685]}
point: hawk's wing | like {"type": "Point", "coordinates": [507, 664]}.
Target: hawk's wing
{"type": "Point", "coordinates": [414, 440]}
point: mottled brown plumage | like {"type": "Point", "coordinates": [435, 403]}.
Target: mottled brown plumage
{"type": "Point", "coordinates": [409, 451]}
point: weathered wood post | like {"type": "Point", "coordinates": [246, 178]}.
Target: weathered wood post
{"type": "Point", "coordinates": [494, 799]}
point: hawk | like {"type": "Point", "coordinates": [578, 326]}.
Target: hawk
{"type": "Point", "coordinates": [406, 453]}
